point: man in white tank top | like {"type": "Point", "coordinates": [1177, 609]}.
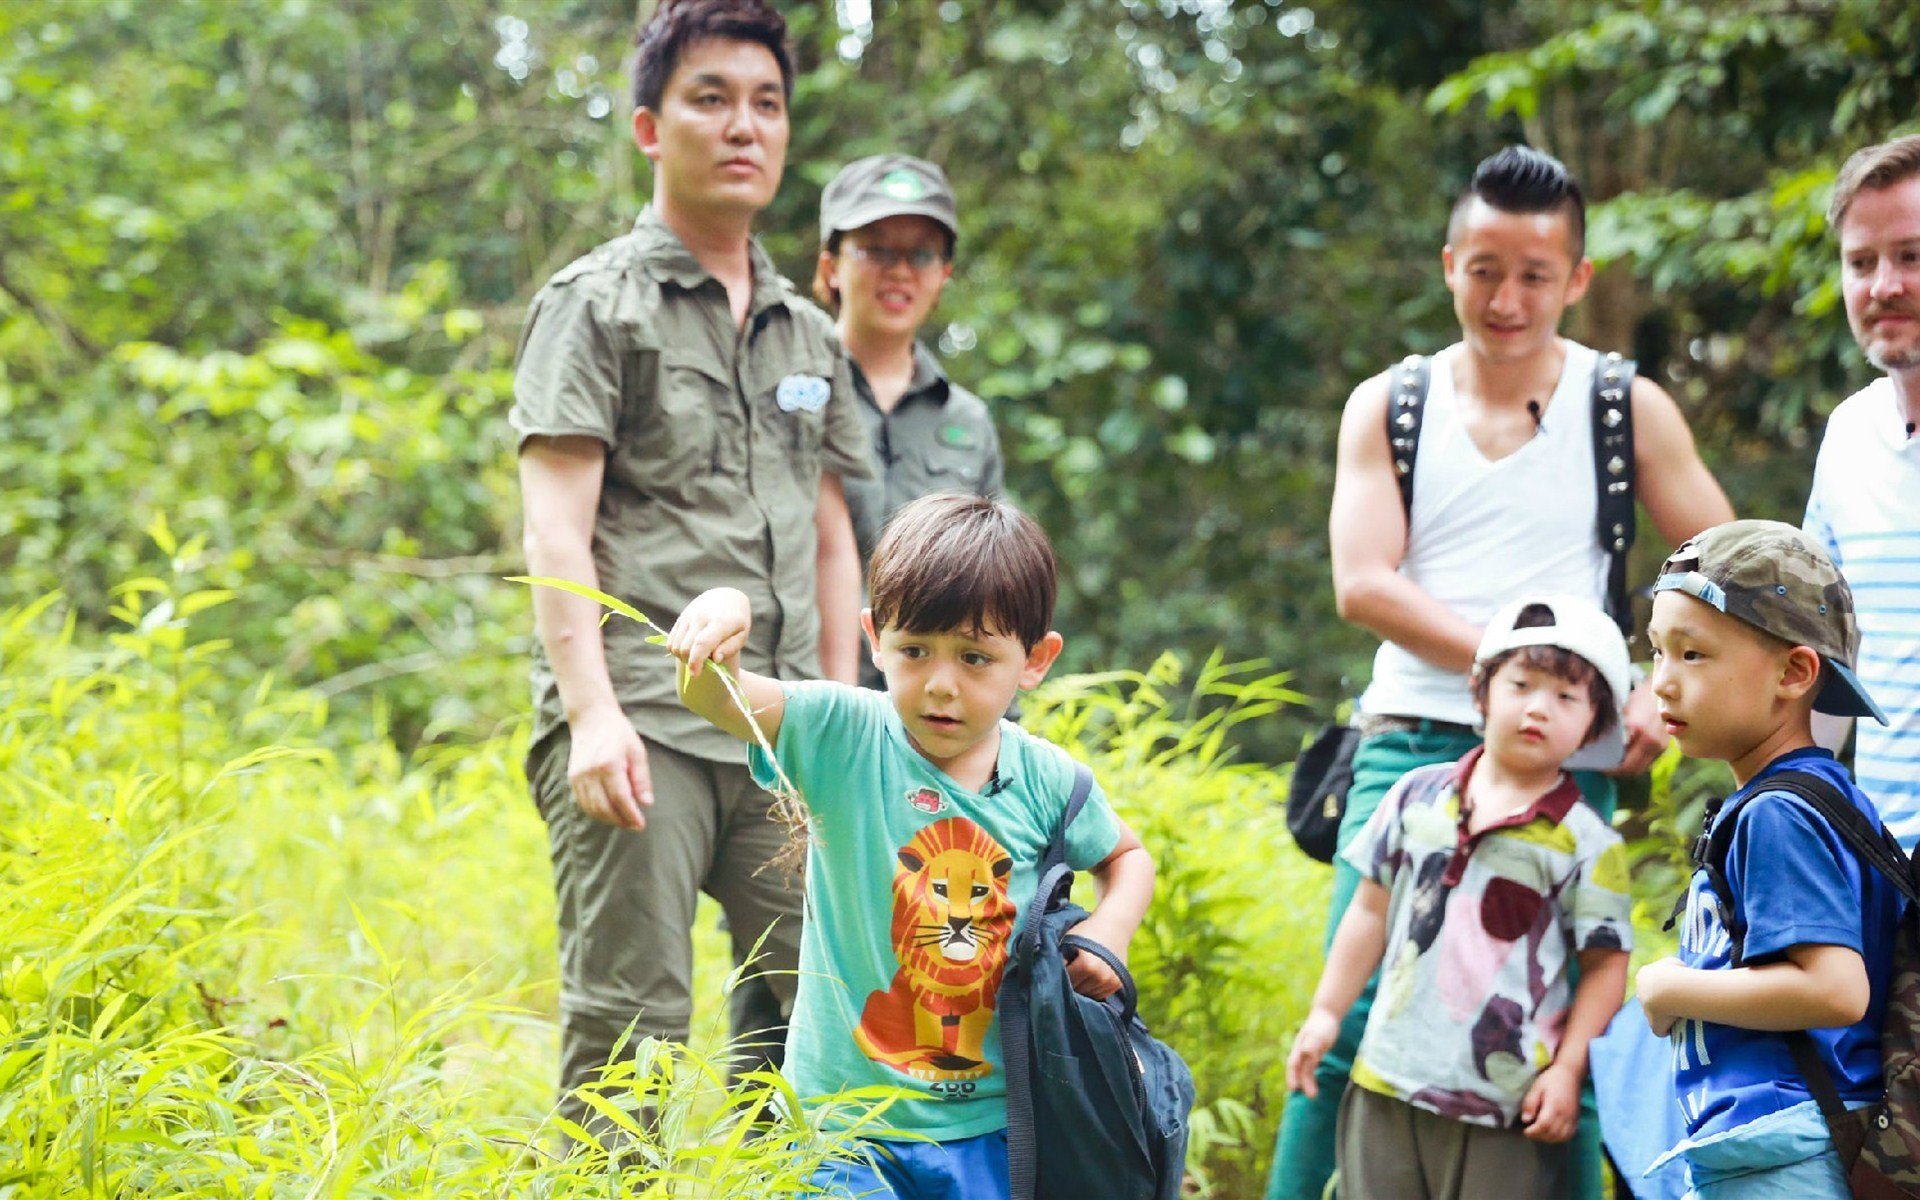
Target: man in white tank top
{"type": "Point", "coordinates": [1503, 503]}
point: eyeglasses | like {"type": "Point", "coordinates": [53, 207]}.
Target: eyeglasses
{"type": "Point", "coordinates": [887, 257]}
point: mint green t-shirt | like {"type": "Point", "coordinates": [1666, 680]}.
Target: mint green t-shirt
{"type": "Point", "coordinates": [914, 887]}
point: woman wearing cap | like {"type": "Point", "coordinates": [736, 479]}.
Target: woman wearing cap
{"type": "Point", "coordinates": [887, 233]}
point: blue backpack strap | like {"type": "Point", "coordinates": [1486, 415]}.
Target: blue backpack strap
{"type": "Point", "coordinates": [1016, 1020]}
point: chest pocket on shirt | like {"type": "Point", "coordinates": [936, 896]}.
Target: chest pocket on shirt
{"type": "Point", "coordinates": [951, 470]}
{"type": "Point", "coordinates": [673, 436]}
{"type": "Point", "coordinates": [797, 424]}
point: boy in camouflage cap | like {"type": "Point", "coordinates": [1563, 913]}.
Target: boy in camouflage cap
{"type": "Point", "coordinates": [1752, 632]}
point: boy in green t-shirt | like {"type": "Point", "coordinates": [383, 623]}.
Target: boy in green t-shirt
{"type": "Point", "coordinates": [930, 814]}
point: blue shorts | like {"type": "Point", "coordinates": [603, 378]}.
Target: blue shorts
{"type": "Point", "coordinates": [972, 1168]}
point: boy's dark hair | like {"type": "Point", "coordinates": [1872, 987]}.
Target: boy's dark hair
{"type": "Point", "coordinates": [1561, 664]}
{"type": "Point", "coordinates": [1870, 170]}
{"type": "Point", "coordinates": [1520, 179]}
{"type": "Point", "coordinates": [677, 24]}
{"type": "Point", "coordinates": [951, 561]}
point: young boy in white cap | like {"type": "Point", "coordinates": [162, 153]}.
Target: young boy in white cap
{"type": "Point", "coordinates": [1482, 882]}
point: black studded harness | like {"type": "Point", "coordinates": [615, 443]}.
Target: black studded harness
{"type": "Point", "coordinates": [1613, 470]}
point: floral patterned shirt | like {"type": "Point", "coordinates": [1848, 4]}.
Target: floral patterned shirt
{"type": "Point", "coordinates": [1481, 929]}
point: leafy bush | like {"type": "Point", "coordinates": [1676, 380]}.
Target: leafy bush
{"type": "Point", "coordinates": [237, 962]}
{"type": "Point", "coordinates": [245, 946]}
{"type": "Point", "coordinates": [1229, 953]}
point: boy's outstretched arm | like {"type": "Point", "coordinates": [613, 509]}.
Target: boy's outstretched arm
{"type": "Point", "coordinates": [1551, 1110]}
{"type": "Point", "coordinates": [1351, 961]}
{"type": "Point", "coordinates": [1815, 986]}
{"type": "Point", "coordinates": [1124, 884]}
{"type": "Point", "coordinates": [712, 630]}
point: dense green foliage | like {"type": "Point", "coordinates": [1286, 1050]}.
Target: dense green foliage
{"type": "Point", "coordinates": [236, 956]}
{"type": "Point", "coordinates": [271, 896]}
{"type": "Point", "coordinates": [263, 264]}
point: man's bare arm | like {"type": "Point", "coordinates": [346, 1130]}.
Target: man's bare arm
{"type": "Point", "coordinates": [837, 573]}
{"type": "Point", "coordinates": [560, 480]}
{"type": "Point", "coordinates": [1368, 536]}
{"type": "Point", "coordinates": [1679, 493]}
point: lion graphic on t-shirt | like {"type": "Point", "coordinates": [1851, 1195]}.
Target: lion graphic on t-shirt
{"type": "Point", "coordinates": [951, 918]}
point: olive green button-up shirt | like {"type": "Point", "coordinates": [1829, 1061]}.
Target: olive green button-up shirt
{"type": "Point", "coordinates": [938, 438]}
{"type": "Point", "coordinates": [716, 438]}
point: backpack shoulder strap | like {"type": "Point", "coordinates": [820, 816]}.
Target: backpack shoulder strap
{"type": "Point", "coordinates": [1871, 840]}
{"type": "Point", "coordinates": [1709, 854]}
{"type": "Point", "coordinates": [1874, 843]}
{"type": "Point", "coordinates": [1876, 846]}
{"type": "Point", "coordinates": [1016, 1017]}
{"type": "Point", "coordinates": [1076, 800]}
{"type": "Point", "coordinates": [1406, 407]}
{"type": "Point", "coordinates": [1612, 414]}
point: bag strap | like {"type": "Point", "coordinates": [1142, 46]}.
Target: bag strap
{"type": "Point", "coordinates": [1611, 412]}
{"type": "Point", "coordinates": [1129, 993]}
{"type": "Point", "coordinates": [1871, 840]}
{"type": "Point", "coordinates": [1709, 854]}
{"type": "Point", "coordinates": [1016, 1018]}
{"type": "Point", "coordinates": [1876, 847]}
{"type": "Point", "coordinates": [1406, 407]}
{"type": "Point", "coordinates": [1873, 843]}
{"type": "Point", "coordinates": [1076, 800]}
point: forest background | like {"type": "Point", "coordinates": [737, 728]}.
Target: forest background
{"type": "Point", "coordinates": [262, 271]}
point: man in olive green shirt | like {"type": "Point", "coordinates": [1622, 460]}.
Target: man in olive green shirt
{"type": "Point", "coordinates": [684, 420]}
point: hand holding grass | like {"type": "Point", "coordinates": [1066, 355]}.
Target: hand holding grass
{"type": "Point", "coordinates": [713, 628]}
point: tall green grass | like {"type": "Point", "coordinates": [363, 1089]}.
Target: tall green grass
{"type": "Point", "coordinates": [247, 952]}
{"type": "Point", "coordinates": [234, 962]}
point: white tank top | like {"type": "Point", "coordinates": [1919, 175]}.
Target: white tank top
{"type": "Point", "coordinates": [1484, 532]}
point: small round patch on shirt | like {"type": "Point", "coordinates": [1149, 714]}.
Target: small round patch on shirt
{"type": "Point", "coordinates": [927, 800]}
{"type": "Point", "coordinates": [802, 393]}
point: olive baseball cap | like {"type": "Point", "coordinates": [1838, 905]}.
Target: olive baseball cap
{"type": "Point", "coordinates": [886, 185]}
{"type": "Point", "coordinates": [1778, 580]}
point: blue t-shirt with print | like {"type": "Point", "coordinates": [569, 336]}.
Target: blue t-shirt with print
{"type": "Point", "coordinates": [1796, 882]}
{"type": "Point", "coordinates": [914, 888]}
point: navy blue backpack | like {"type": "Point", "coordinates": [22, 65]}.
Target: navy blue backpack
{"type": "Point", "coordinates": [1110, 1099]}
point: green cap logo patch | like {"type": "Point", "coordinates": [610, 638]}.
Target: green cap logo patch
{"type": "Point", "coordinates": [903, 185]}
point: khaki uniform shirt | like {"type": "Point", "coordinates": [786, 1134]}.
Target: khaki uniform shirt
{"type": "Point", "coordinates": [939, 438]}
{"type": "Point", "coordinates": [716, 438]}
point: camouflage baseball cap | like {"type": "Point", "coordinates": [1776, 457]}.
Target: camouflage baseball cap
{"type": "Point", "coordinates": [1779, 580]}
{"type": "Point", "coordinates": [886, 185]}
